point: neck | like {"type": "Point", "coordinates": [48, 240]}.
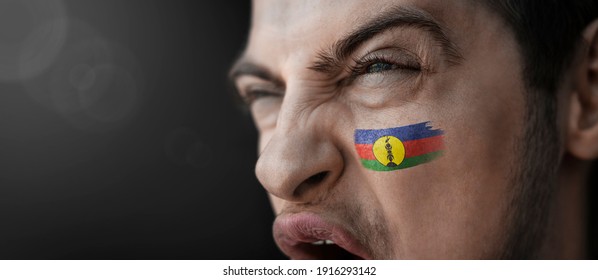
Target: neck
{"type": "Point", "coordinates": [566, 238]}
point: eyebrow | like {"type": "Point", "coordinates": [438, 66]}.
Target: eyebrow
{"type": "Point", "coordinates": [331, 59]}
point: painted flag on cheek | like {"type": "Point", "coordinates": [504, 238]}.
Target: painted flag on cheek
{"type": "Point", "coordinates": [398, 147]}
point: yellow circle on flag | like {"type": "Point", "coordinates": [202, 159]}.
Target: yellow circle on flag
{"type": "Point", "coordinates": [389, 151]}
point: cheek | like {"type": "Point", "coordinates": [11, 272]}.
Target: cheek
{"type": "Point", "coordinates": [479, 173]}
{"type": "Point", "coordinates": [455, 206]}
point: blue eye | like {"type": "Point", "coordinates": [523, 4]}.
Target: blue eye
{"type": "Point", "coordinates": [380, 67]}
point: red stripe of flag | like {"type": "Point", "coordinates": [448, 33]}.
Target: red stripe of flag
{"type": "Point", "coordinates": [413, 148]}
{"type": "Point", "coordinates": [423, 146]}
{"type": "Point", "coordinates": [365, 151]}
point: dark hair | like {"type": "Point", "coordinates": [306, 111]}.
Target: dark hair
{"type": "Point", "coordinates": [549, 34]}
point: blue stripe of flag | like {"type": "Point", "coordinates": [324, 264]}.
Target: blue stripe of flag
{"type": "Point", "coordinates": [404, 133]}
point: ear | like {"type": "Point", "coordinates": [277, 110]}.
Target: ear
{"type": "Point", "coordinates": [582, 138]}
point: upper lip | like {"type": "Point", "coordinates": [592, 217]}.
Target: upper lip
{"type": "Point", "coordinates": [294, 234]}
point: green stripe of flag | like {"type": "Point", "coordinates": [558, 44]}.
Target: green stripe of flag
{"type": "Point", "coordinates": [408, 162]}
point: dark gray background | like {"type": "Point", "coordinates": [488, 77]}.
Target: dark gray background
{"type": "Point", "coordinates": [167, 176]}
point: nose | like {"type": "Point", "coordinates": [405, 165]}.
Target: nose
{"type": "Point", "coordinates": [300, 163]}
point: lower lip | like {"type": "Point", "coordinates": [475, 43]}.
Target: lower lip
{"type": "Point", "coordinates": [293, 230]}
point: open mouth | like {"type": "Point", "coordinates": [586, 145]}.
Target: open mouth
{"type": "Point", "coordinates": [324, 250]}
{"type": "Point", "coordinates": [308, 236]}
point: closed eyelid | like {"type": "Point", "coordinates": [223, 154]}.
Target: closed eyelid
{"type": "Point", "coordinates": [398, 54]}
{"type": "Point", "coordinates": [399, 57]}
{"type": "Point", "coordinates": [245, 68]}
{"type": "Point", "coordinates": [253, 91]}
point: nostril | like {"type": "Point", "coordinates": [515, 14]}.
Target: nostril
{"type": "Point", "coordinates": [316, 179]}
{"type": "Point", "coordinates": [310, 183]}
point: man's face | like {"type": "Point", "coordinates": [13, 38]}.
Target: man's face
{"type": "Point", "coordinates": [316, 71]}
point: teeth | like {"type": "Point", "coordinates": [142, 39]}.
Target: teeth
{"type": "Point", "coordinates": [322, 242]}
